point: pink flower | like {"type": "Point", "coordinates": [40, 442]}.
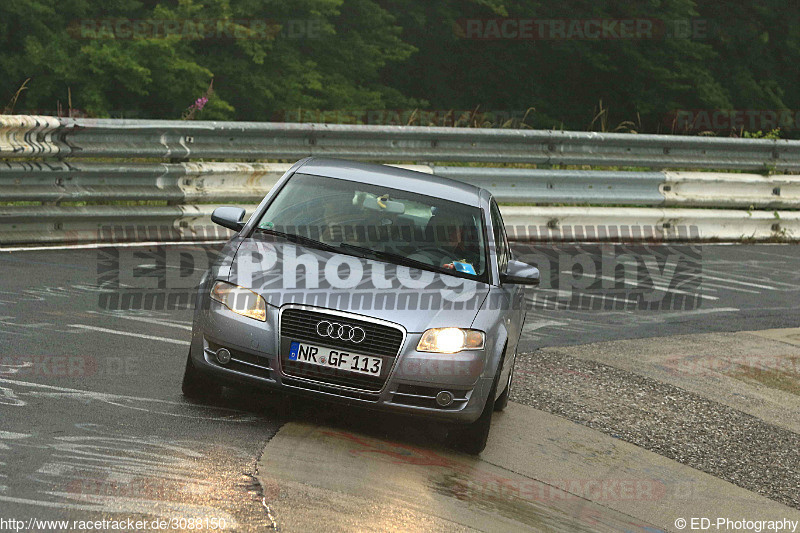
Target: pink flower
{"type": "Point", "coordinates": [200, 102]}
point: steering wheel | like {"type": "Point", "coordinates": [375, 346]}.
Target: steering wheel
{"type": "Point", "coordinates": [437, 249]}
{"type": "Point", "coordinates": [432, 255]}
{"type": "Point", "coordinates": [422, 258]}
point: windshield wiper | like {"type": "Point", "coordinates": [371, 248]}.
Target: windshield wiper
{"type": "Point", "coordinates": [395, 258]}
{"type": "Point", "coordinates": [299, 239]}
{"type": "Point", "coordinates": [358, 251]}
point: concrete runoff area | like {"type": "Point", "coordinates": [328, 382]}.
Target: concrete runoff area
{"type": "Point", "coordinates": [786, 335]}
{"type": "Point", "coordinates": [722, 404]}
{"type": "Point", "coordinates": [352, 481]}
{"type": "Point", "coordinates": [742, 370]}
{"type": "Point", "coordinates": [540, 471]}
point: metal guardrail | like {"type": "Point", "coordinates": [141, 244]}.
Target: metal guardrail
{"type": "Point", "coordinates": [590, 187]}
{"type": "Point", "coordinates": [70, 189]}
{"type": "Point", "coordinates": [25, 136]}
{"type": "Point", "coordinates": [189, 183]}
{"type": "Point", "coordinates": [184, 183]}
{"type": "Point", "coordinates": [109, 223]}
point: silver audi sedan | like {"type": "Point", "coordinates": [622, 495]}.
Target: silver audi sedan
{"type": "Point", "coordinates": [368, 284]}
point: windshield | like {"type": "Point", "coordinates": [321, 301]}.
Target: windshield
{"type": "Point", "coordinates": [352, 216]}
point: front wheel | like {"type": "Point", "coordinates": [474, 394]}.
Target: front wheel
{"type": "Point", "coordinates": [196, 386]}
{"type": "Point", "coordinates": [472, 438]}
{"type": "Point", "coordinates": [502, 400]}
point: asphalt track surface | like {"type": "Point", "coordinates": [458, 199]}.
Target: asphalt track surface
{"type": "Point", "coordinates": [93, 424]}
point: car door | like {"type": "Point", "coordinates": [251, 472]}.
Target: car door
{"type": "Point", "coordinates": [512, 296]}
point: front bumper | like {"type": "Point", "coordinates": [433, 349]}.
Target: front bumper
{"type": "Point", "coordinates": [413, 382]}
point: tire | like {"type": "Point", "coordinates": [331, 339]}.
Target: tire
{"type": "Point", "coordinates": [196, 386]}
{"type": "Point", "coordinates": [472, 438]}
{"type": "Point", "coordinates": [502, 400]}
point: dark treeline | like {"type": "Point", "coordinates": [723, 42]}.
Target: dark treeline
{"type": "Point", "coordinates": [701, 66]}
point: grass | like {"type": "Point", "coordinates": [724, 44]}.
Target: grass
{"type": "Point", "coordinates": [9, 108]}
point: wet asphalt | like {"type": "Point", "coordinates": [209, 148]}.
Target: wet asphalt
{"type": "Point", "coordinates": [93, 424]}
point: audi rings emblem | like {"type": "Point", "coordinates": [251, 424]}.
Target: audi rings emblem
{"type": "Point", "coordinates": [345, 332]}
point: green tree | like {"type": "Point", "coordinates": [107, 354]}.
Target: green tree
{"type": "Point", "coordinates": [377, 54]}
{"type": "Point", "coordinates": [334, 60]}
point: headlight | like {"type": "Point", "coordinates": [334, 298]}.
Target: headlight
{"type": "Point", "coordinates": [240, 300]}
{"type": "Point", "coordinates": [450, 340]}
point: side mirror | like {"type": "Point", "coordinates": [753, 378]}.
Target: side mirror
{"type": "Point", "coordinates": [229, 217]}
{"type": "Point", "coordinates": [520, 273]}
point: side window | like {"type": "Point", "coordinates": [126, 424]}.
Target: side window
{"type": "Point", "coordinates": [500, 239]}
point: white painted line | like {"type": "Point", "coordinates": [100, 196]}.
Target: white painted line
{"type": "Point", "coordinates": [729, 276]}
{"type": "Point", "coordinates": [13, 369]}
{"type": "Point", "coordinates": [542, 324]}
{"type": "Point", "coordinates": [709, 285]}
{"type": "Point", "coordinates": [745, 283]}
{"type": "Point", "coordinates": [153, 266]}
{"type": "Point", "coordinates": [94, 246]}
{"type": "Point", "coordinates": [781, 256]}
{"type": "Point", "coordinates": [130, 334]}
{"type": "Point", "coordinates": [118, 400]}
{"type": "Point", "coordinates": [146, 319]}
{"type": "Point", "coordinates": [98, 395]}
{"type": "Point", "coordinates": [701, 312]}
{"type": "Point", "coordinates": [750, 277]}
{"type": "Point", "coordinates": [651, 287]}
{"type": "Point", "coordinates": [544, 300]}
{"type": "Point", "coordinates": [13, 436]}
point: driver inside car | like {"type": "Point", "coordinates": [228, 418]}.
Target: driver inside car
{"type": "Point", "coordinates": [455, 236]}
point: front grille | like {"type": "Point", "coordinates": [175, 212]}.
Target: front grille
{"type": "Point", "coordinates": [323, 388]}
{"type": "Point", "coordinates": [300, 324]}
{"type": "Point", "coordinates": [380, 340]}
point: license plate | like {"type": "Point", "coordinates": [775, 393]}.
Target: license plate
{"type": "Point", "coordinates": [335, 358]}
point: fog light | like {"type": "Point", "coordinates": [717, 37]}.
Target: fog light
{"type": "Point", "coordinates": [444, 398]}
{"type": "Point", "coordinates": [223, 356]}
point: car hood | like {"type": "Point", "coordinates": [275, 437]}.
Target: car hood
{"type": "Point", "coordinates": [283, 272]}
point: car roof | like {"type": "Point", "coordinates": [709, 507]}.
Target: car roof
{"type": "Point", "coordinates": [395, 178]}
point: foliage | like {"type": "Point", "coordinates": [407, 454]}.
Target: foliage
{"type": "Point", "coordinates": [353, 56]}
{"type": "Point", "coordinates": [772, 134]}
